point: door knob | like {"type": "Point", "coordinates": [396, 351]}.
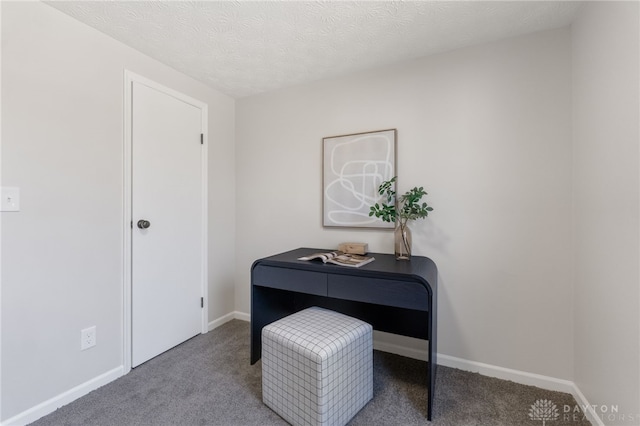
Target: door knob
{"type": "Point", "coordinates": [143, 224]}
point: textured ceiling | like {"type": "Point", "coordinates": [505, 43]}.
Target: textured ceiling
{"type": "Point", "coordinates": [244, 48]}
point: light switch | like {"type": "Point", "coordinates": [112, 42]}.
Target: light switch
{"type": "Point", "coordinates": [9, 199]}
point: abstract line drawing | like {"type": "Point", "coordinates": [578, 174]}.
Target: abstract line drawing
{"type": "Point", "coordinates": [353, 168]}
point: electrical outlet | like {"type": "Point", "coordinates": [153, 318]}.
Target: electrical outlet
{"type": "Point", "coordinates": [87, 338]}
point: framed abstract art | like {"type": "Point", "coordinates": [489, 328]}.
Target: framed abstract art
{"type": "Point", "coordinates": [352, 169]}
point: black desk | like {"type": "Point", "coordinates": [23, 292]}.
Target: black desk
{"type": "Point", "coordinates": [393, 296]}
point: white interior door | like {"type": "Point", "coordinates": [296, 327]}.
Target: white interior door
{"type": "Point", "coordinates": [166, 191]}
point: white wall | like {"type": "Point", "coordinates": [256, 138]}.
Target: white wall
{"type": "Point", "coordinates": [487, 130]}
{"type": "Point", "coordinates": [606, 192]}
{"type": "Point", "coordinates": [62, 144]}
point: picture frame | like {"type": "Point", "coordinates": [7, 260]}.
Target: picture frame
{"type": "Point", "coordinates": [353, 168]}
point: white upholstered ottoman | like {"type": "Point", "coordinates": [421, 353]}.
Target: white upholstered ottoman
{"type": "Point", "coordinates": [317, 367]}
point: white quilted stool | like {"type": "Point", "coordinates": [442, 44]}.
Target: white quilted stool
{"type": "Point", "coordinates": [317, 367]}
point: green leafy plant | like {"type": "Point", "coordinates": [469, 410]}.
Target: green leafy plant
{"type": "Point", "coordinates": [400, 209]}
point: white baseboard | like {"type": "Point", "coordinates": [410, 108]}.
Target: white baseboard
{"type": "Point", "coordinates": [522, 377]}
{"type": "Point", "coordinates": [517, 376]}
{"type": "Point", "coordinates": [414, 353]}
{"type": "Point", "coordinates": [64, 398]}
{"type": "Point", "coordinates": [525, 378]}
{"type": "Point", "coordinates": [583, 403]}
{"type": "Point", "coordinates": [219, 321]}
{"type": "Point", "coordinates": [242, 316]}
{"type": "Point", "coordinates": [228, 317]}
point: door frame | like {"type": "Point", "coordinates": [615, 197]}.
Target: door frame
{"type": "Point", "coordinates": [129, 79]}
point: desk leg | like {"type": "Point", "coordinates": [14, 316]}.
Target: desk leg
{"type": "Point", "coordinates": [431, 385]}
{"type": "Point", "coordinates": [433, 350]}
{"type": "Point", "coordinates": [258, 308]}
{"type": "Point", "coordinates": [256, 343]}
{"type": "Point", "coordinates": [260, 314]}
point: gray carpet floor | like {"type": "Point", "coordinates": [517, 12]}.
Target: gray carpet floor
{"type": "Point", "coordinates": [208, 381]}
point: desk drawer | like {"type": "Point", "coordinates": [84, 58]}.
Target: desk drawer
{"type": "Point", "coordinates": [290, 279]}
{"type": "Point", "coordinates": [402, 294]}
